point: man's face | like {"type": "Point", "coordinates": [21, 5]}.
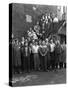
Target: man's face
{"type": "Point", "coordinates": [17, 42]}
{"type": "Point", "coordinates": [43, 43]}
{"type": "Point", "coordinates": [40, 42]}
{"type": "Point", "coordinates": [51, 41]}
{"type": "Point", "coordinates": [26, 44]}
{"type": "Point", "coordinates": [13, 42]}
{"type": "Point", "coordinates": [46, 40]}
{"type": "Point", "coordinates": [37, 23]}
{"type": "Point", "coordinates": [36, 43]}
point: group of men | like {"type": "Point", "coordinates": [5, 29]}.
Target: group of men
{"type": "Point", "coordinates": [37, 55]}
{"type": "Point", "coordinates": [36, 52]}
{"type": "Point", "coordinates": [42, 26]}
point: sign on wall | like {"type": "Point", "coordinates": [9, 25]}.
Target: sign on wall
{"type": "Point", "coordinates": [28, 18]}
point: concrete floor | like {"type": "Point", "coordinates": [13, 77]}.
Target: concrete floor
{"type": "Point", "coordinates": [40, 78]}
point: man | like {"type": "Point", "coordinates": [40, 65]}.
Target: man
{"type": "Point", "coordinates": [34, 35]}
{"type": "Point", "coordinates": [22, 47]}
{"type": "Point", "coordinates": [48, 53]}
{"type": "Point", "coordinates": [63, 55]}
{"type": "Point", "coordinates": [35, 48]}
{"type": "Point", "coordinates": [46, 19]}
{"type": "Point", "coordinates": [49, 18]}
{"type": "Point", "coordinates": [40, 45]}
{"type": "Point", "coordinates": [13, 56]}
{"type": "Point", "coordinates": [29, 33]}
{"type": "Point", "coordinates": [52, 54]}
{"type": "Point", "coordinates": [58, 51]}
{"type": "Point", "coordinates": [31, 57]}
{"type": "Point", "coordinates": [26, 57]}
{"type": "Point", "coordinates": [23, 40]}
{"type": "Point", "coordinates": [43, 23]}
{"type": "Point", "coordinates": [37, 27]}
{"type": "Point", "coordinates": [17, 57]}
{"type": "Point", "coordinates": [43, 56]}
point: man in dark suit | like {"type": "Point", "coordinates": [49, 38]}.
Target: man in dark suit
{"type": "Point", "coordinates": [17, 57]}
{"type": "Point", "coordinates": [52, 54]}
{"type": "Point", "coordinates": [26, 56]}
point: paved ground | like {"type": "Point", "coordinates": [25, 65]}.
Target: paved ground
{"type": "Point", "coordinates": [40, 78]}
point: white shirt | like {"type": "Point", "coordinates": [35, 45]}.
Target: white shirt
{"type": "Point", "coordinates": [26, 49]}
{"type": "Point", "coordinates": [55, 19]}
{"type": "Point", "coordinates": [22, 42]}
{"type": "Point", "coordinates": [35, 49]}
{"type": "Point", "coordinates": [35, 36]}
{"type": "Point", "coordinates": [52, 46]}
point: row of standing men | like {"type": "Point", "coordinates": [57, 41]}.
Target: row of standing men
{"type": "Point", "coordinates": [37, 56]}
